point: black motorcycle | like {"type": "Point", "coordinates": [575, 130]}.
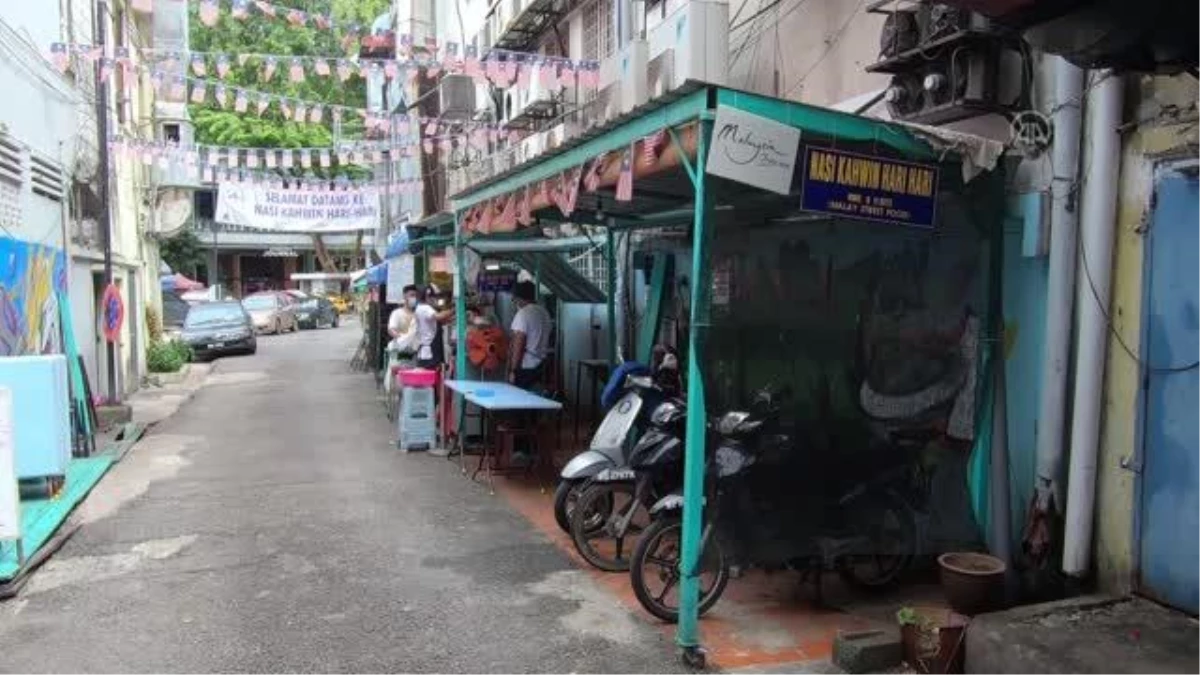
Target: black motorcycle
{"type": "Point", "coordinates": [615, 507]}
{"type": "Point", "coordinates": [765, 505]}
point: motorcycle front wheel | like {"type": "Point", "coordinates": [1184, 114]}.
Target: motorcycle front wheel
{"type": "Point", "coordinates": [890, 527]}
{"type": "Point", "coordinates": [655, 570]}
{"type": "Point", "coordinates": [606, 522]}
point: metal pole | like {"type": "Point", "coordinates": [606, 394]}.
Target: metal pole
{"type": "Point", "coordinates": [105, 213]}
{"type": "Point", "coordinates": [610, 257]}
{"type": "Point", "coordinates": [460, 331]}
{"type": "Point", "coordinates": [687, 633]}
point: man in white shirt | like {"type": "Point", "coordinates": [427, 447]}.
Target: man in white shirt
{"type": "Point", "coordinates": [531, 329]}
{"type": "Point", "coordinates": [431, 350]}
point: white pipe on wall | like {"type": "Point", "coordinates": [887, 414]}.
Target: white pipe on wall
{"type": "Point", "coordinates": [1060, 294]}
{"type": "Point", "coordinates": [1103, 161]}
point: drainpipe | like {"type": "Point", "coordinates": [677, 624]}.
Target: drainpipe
{"type": "Point", "coordinates": [1064, 221]}
{"type": "Point", "coordinates": [1094, 291]}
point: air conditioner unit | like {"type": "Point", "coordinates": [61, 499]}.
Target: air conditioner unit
{"type": "Point", "coordinates": [659, 74]}
{"type": "Point", "coordinates": [955, 86]}
{"type": "Point", "coordinates": [697, 33]}
{"type": "Point", "coordinates": [524, 107]}
{"type": "Point", "coordinates": [457, 97]}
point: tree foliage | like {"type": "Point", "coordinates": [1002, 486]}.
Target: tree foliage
{"type": "Point", "coordinates": [182, 252]}
{"type": "Point", "coordinates": [258, 35]}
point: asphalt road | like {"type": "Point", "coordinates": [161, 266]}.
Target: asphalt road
{"type": "Point", "coordinates": [270, 525]}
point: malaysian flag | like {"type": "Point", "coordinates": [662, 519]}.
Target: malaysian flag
{"type": "Point", "coordinates": [272, 159]}
{"type": "Point", "coordinates": [524, 209]}
{"type": "Point", "coordinates": [222, 66]}
{"type": "Point", "coordinates": [60, 56]}
{"type": "Point", "coordinates": [221, 93]}
{"type": "Point", "coordinates": [240, 9]}
{"type": "Point", "coordinates": [252, 159]}
{"type": "Point", "coordinates": [240, 101]}
{"type": "Point", "coordinates": [271, 64]}
{"type": "Point", "coordinates": [285, 109]}
{"type": "Point", "coordinates": [316, 114]}
{"type": "Point", "coordinates": [568, 75]}
{"type": "Point", "coordinates": [524, 75]}
{"type": "Point", "coordinates": [210, 12]}
{"type": "Point", "coordinates": [301, 113]}
{"type": "Point", "coordinates": [625, 180]}
{"type": "Point", "coordinates": [485, 218]}
{"type": "Point", "coordinates": [573, 188]}
{"type": "Point", "coordinates": [406, 43]}
{"type": "Point", "coordinates": [471, 62]}
{"type": "Point", "coordinates": [544, 193]}
{"type": "Point", "coordinates": [508, 215]}
{"type": "Point", "coordinates": [296, 70]}
{"type": "Point", "coordinates": [265, 7]}
{"type": "Point", "coordinates": [199, 67]}
{"type": "Point", "coordinates": [321, 67]}
{"type": "Point", "coordinates": [652, 144]}
{"type": "Point", "coordinates": [591, 181]}
{"type": "Point", "coordinates": [264, 102]}
{"type": "Point", "coordinates": [106, 68]}
{"type": "Point", "coordinates": [326, 160]}
{"type": "Point", "coordinates": [510, 69]}
{"type": "Point", "coordinates": [344, 69]}
{"type": "Point", "coordinates": [322, 21]}
{"type": "Point", "coordinates": [296, 17]}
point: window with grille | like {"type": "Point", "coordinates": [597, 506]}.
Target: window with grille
{"type": "Point", "coordinates": [12, 180]}
{"type": "Point", "coordinates": [591, 264]}
{"type": "Point", "coordinates": [598, 30]}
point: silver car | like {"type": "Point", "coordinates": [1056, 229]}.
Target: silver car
{"type": "Point", "coordinates": [271, 312]}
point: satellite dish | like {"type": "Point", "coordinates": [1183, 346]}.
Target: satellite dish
{"type": "Point", "coordinates": [174, 210]}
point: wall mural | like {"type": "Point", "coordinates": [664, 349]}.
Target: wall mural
{"type": "Point", "coordinates": [32, 278]}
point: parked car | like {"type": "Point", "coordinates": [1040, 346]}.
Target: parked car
{"type": "Point", "coordinates": [216, 328]}
{"type": "Point", "coordinates": [174, 313]}
{"type": "Point", "coordinates": [316, 312]}
{"type": "Point", "coordinates": [340, 303]}
{"type": "Point", "coordinates": [297, 295]}
{"type": "Point", "coordinates": [271, 312]}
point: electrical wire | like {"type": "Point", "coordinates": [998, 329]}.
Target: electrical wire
{"type": "Point", "coordinates": [830, 43]}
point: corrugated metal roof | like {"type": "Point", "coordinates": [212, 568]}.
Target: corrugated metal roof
{"type": "Point", "coordinates": [547, 258]}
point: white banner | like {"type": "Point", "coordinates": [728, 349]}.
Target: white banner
{"type": "Point", "coordinates": [753, 150]}
{"type": "Point", "coordinates": [401, 273]}
{"type": "Point", "coordinates": [268, 208]}
{"type": "Point", "coordinates": [10, 506]}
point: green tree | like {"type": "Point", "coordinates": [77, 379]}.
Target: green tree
{"type": "Point", "coordinates": [182, 252]}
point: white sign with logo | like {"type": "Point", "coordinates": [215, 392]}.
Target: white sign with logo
{"type": "Point", "coordinates": [268, 208]}
{"type": "Point", "coordinates": [400, 274]}
{"type": "Point", "coordinates": [753, 150]}
{"type": "Point", "coordinates": [10, 504]}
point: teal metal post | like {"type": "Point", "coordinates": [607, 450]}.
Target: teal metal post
{"type": "Point", "coordinates": [460, 303]}
{"type": "Point", "coordinates": [687, 633]}
{"type": "Point", "coordinates": [610, 256]}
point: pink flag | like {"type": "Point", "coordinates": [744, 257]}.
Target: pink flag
{"type": "Point", "coordinates": [651, 145]}
{"type": "Point", "coordinates": [325, 159]}
{"type": "Point", "coordinates": [239, 10]}
{"type": "Point", "coordinates": [106, 68]}
{"type": "Point", "coordinates": [321, 67]}
{"type": "Point", "coordinates": [296, 17]}
{"type": "Point", "coordinates": [322, 21]}
{"type": "Point", "coordinates": [207, 175]}
{"type": "Point", "coordinates": [316, 114]}
{"type": "Point", "coordinates": [241, 101]}
{"type": "Point", "coordinates": [233, 158]}
{"type": "Point", "coordinates": [573, 188]}
{"type": "Point", "coordinates": [252, 159]}
{"type": "Point", "coordinates": [271, 64]}
{"type": "Point", "coordinates": [344, 70]}
{"type": "Point", "coordinates": [364, 69]}
{"type": "Point", "coordinates": [285, 109]}
{"type": "Point", "coordinates": [510, 69]}
{"type": "Point", "coordinates": [484, 224]}
{"type": "Point", "coordinates": [289, 160]}
{"type": "Point", "coordinates": [209, 12]}
{"type": "Point", "coordinates": [199, 67]}
{"type": "Point", "coordinates": [272, 159]}
{"type": "Point", "coordinates": [296, 70]}
{"type": "Point", "coordinates": [305, 159]}
{"type": "Point", "coordinates": [222, 66]}
{"type": "Point", "coordinates": [591, 180]}
{"type": "Point", "coordinates": [264, 101]}
{"type": "Point", "coordinates": [300, 113]}
{"type": "Point", "coordinates": [470, 63]}
{"type": "Point", "coordinates": [567, 74]}
{"type": "Point", "coordinates": [390, 71]}
{"type": "Point", "coordinates": [524, 214]}
{"type": "Point", "coordinates": [60, 56]}
{"type": "Point", "coordinates": [221, 93]}
{"type": "Point", "coordinates": [428, 146]}
{"type": "Point", "coordinates": [524, 76]}
{"type": "Point", "coordinates": [179, 88]}
{"type": "Point", "coordinates": [431, 128]}
{"type": "Point", "coordinates": [625, 180]}
{"type": "Point", "coordinates": [343, 156]}
{"type": "Point", "coordinates": [265, 7]}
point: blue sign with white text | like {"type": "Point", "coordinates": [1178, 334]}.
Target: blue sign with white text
{"type": "Point", "coordinates": [868, 188]}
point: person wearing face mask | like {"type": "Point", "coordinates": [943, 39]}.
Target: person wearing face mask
{"type": "Point", "coordinates": [531, 329]}
{"type": "Point", "coordinates": [431, 349]}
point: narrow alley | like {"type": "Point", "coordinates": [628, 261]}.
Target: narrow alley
{"type": "Point", "coordinates": [270, 525]}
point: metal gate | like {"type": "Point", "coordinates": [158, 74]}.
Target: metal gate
{"type": "Point", "coordinates": [1169, 507]}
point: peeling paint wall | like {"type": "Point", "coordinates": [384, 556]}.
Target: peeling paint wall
{"type": "Point", "coordinates": [1157, 137]}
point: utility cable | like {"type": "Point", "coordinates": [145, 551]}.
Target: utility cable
{"type": "Point", "coordinates": [830, 43]}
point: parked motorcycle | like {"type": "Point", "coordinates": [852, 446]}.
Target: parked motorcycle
{"type": "Point", "coordinates": [621, 427]}
{"type": "Point", "coordinates": [615, 506]}
{"type": "Point", "coordinates": [765, 506]}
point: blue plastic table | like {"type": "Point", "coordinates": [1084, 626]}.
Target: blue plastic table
{"type": "Point", "coordinates": [495, 397]}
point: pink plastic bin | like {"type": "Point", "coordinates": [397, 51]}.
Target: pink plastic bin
{"type": "Point", "coordinates": [418, 377]}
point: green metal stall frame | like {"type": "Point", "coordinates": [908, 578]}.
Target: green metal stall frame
{"type": "Point", "coordinates": [695, 103]}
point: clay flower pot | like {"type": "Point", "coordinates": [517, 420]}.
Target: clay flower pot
{"type": "Point", "coordinates": [973, 582]}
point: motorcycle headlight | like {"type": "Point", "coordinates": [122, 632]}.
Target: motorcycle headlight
{"type": "Point", "coordinates": [667, 412]}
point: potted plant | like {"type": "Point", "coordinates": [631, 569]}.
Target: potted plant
{"type": "Point", "coordinates": [931, 639]}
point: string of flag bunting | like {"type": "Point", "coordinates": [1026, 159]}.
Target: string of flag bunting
{"type": "Point", "coordinates": [505, 69]}
{"type": "Point", "coordinates": [505, 213]}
